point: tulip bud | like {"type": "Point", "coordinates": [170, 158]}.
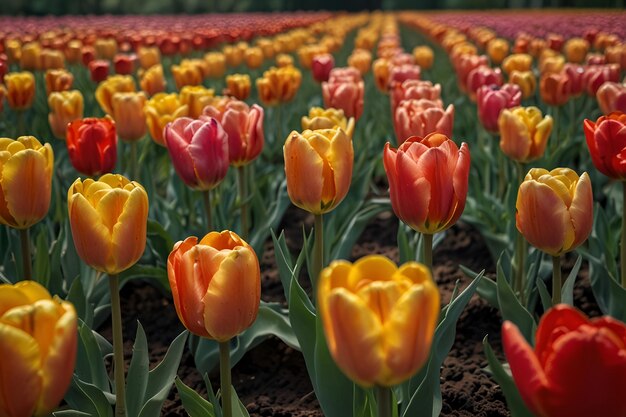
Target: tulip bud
{"type": "Point", "coordinates": [65, 107]}
{"type": "Point", "coordinates": [554, 209]}
{"type": "Point", "coordinates": [216, 284]}
{"type": "Point", "coordinates": [52, 59]}
{"type": "Point", "coordinates": [612, 97]}
{"type": "Point", "coordinates": [524, 133]}
{"type": "Point", "coordinates": [321, 66]}
{"type": "Point", "coordinates": [576, 49]}
{"type": "Point", "coordinates": [517, 62]}
{"type": "Point", "coordinates": [152, 80]}
{"type": "Point", "coordinates": [125, 64]}
{"type": "Point", "coordinates": [284, 60]}
{"type": "Point", "coordinates": [393, 337]}
{"type": "Point", "coordinates": [25, 167]}
{"type": "Point", "coordinates": [38, 341]}
{"type": "Point", "coordinates": [149, 57]}
{"type": "Point", "coordinates": [58, 80]}
{"type": "Point", "coordinates": [253, 57]}
{"type": "Point", "coordinates": [347, 96]}
{"type": "Point", "coordinates": [555, 89]}
{"type": "Point", "coordinates": [360, 59]}
{"type": "Point", "coordinates": [109, 220]}
{"type": "Point", "coordinates": [498, 49]}
{"type": "Point", "coordinates": [318, 167]}
{"type": "Point", "coordinates": [105, 48]}
{"type": "Point", "coordinates": [161, 110]}
{"type": "Point", "coordinates": [428, 180]}
{"type": "Point", "coordinates": [382, 69]}
{"type": "Point", "coordinates": [320, 118]}
{"type": "Point", "coordinates": [424, 56]}
{"type": "Point", "coordinates": [232, 55]}
{"type": "Point", "coordinates": [491, 100]}
{"type": "Point", "coordinates": [186, 75]}
{"type": "Point", "coordinates": [30, 59]}
{"type": "Point", "coordinates": [525, 80]}
{"type": "Point", "coordinates": [199, 151]}
{"type": "Point", "coordinates": [216, 64]}
{"type": "Point", "coordinates": [129, 116]}
{"type": "Point", "coordinates": [421, 118]}
{"type": "Point", "coordinates": [99, 70]}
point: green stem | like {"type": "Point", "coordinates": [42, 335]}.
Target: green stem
{"type": "Point", "coordinates": [132, 169]}
{"type": "Point", "coordinates": [428, 250]}
{"type": "Point", "coordinates": [623, 242]}
{"type": "Point", "coordinates": [556, 280]}
{"type": "Point", "coordinates": [243, 197]}
{"type": "Point", "coordinates": [118, 347]}
{"type": "Point", "coordinates": [318, 250]}
{"type": "Point", "coordinates": [383, 401]}
{"type": "Point", "coordinates": [557, 122]}
{"type": "Point", "coordinates": [206, 197]}
{"type": "Point", "coordinates": [279, 132]}
{"type": "Point", "coordinates": [502, 180]}
{"type": "Point", "coordinates": [26, 258]}
{"type": "Point", "coordinates": [227, 403]}
{"type": "Point", "coordinates": [20, 123]}
{"type": "Point", "coordinates": [520, 248]}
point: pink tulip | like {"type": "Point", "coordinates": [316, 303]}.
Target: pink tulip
{"type": "Point", "coordinates": [491, 100]}
{"type": "Point", "coordinates": [596, 75]}
{"type": "Point", "coordinates": [401, 73]}
{"type": "Point", "coordinates": [347, 96]}
{"type": "Point", "coordinates": [421, 118]}
{"type": "Point", "coordinates": [321, 66]}
{"type": "Point", "coordinates": [480, 76]}
{"type": "Point", "coordinates": [612, 97]}
{"type": "Point", "coordinates": [414, 89]}
{"type": "Point", "coordinates": [466, 64]}
{"type": "Point", "coordinates": [575, 73]}
{"type": "Point", "coordinates": [341, 74]}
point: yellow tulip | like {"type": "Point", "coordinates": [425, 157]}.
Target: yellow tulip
{"type": "Point", "coordinates": [379, 320]}
{"type": "Point", "coordinates": [20, 89]}
{"type": "Point", "coordinates": [38, 342]}
{"type": "Point", "coordinates": [320, 118]}
{"type": "Point", "coordinates": [25, 181]}
{"type": "Point", "coordinates": [215, 64]}
{"type": "Point", "coordinates": [526, 81]}
{"type": "Point", "coordinates": [238, 86]}
{"type": "Point", "coordinates": [160, 110]}
{"type": "Point", "coordinates": [253, 57]}
{"type": "Point", "coordinates": [30, 59]}
{"type": "Point", "coordinates": [424, 56]}
{"type": "Point", "coordinates": [52, 59]}
{"type": "Point", "coordinates": [113, 84]}
{"type": "Point", "coordinates": [108, 218]}
{"type": "Point", "coordinates": [517, 62]}
{"type": "Point", "coordinates": [65, 107]}
{"type": "Point", "coordinates": [152, 80]}
{"type": "Point", "coordinates": [497, 49]}
{"type": "Point", "coordinates": [278, 85]}
{"type": "Point", "coordinates": [149, 56]}
{"type": "Point", "coordinates": [196, 98]}
{"type": "Point", "coordinates": [188, 74]}
{"type": "Point", "coordinates": [58, 80]}
{"type": "Point", "coordinates": [524, 133]}
{"type": "Point", "coordinates": [129, 116]}
{"type": "Point", "coordinates": [284, 60]}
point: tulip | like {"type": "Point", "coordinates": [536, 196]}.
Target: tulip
{"type": "Point", "coordinates": [612, 97]}
{"type": "Point", "coordinates": [232, 55]}
{"type": "Point", "coordinates": [113, 84]}
{"type": "Point", "coordinates": [253, 57]}
{"type": "Point", "coordinates": [92, 145]}
{"type": "Point", "coordinates": [160, 110]}
{"type": "Point", "coordinates": [595, 59]}
{"type": "Point", "coordinates": [576, 368]}
{"type": "Point", "coordinates": [606, 139]}
{"type": "Point", "coordinates": [401, 73]}
{"type": "Point", "coordinates": [38, 342]}
{"type": "Point", "coordinates": [360, 59]}
{"type": "Point", "coordinates": [555, 89]}
{"type": "Point", "coordinates": [65, 107]}
{"type": "Point", "coordinates": [491, 100]}
{"type": "Point", "coordinates": [52, 59]}
{"type": "Point", "coordinates": [424, 56]}
{"type": "Point", "coordinates": [524, 133]}
{"type": "Point", "coordinates": [88, 55]}
{"type": "Point", "coordinates": [73, 51]}
{"type": "Point", "coordinates": [597, 75]}
{"type": "Point", "coordinates": [105, 48]}
{"type": "Point", "coordinates": [320, 118]}
{"type": "Point", "coordinates": [481, 76]}
{"type": "Point", "coordinates": [278, 85]}
{"type": "Point", "coordinates": [414, 90]}
{"type": "Point", "coordinates": [616, 55]}
{"type": "Point", "coordinates": [345, 74]}
{"type": "Point", "coordinates": [428, 180]}
{"type": "Point", "coordinates": [382, 69]}
{"type": "Point", "coordinates": [125, 64]}
{"type": "Point", "coordinates": [498, 50]}
{"type": "Point", "coordinates": [307, 52]}
{"type": "Point", "coordinates": [20, 90]}
{"type": "Point", "coordinates": [551, 64]}
{"type": "Point", "coordinates": [196, 98]}
{"type": "Point", "coordinates": [385, 313]}
{"type": "Point", "coordinates": [466, 64]}
{"type": "Point", "coordinates": [186, 75]}
{"type": "Point", "coordinates": [25, 167]}
{"type": "Point", "coordinates": [284, 60]}
{"type": "Point", "coordinates": [318, 167]}
{"type": "Point", "coordinates": [13, 48]}
{"type": "Point", "coordinates": [216, 64]}
{"type": "Point", "coordinates": [321, 66]}
{"type": "Point", "coordinates": [421, 118]}
{"type": "Point", "coordinates": [98, 70]}
{"type": "Point", "coordinates": [555, 209]}
{"type": "Point", "coordinates": [347, 96]}
{"type": "Point", "coordinates": [238, 86]}
{"type": "Point", "coordinates": [267, 46]}
{"type": "Point", "coordinates": [30, 59]}
{"type": "Point", "coordinates": [129, 116]}
{"type": "Point", "coordinates": [199, 151]}
{"type": "Point", "coordinates": [525, 80]}
{"type": "Point", "coordinates": [152, 80]}
{"type": "Point", "coordinates": [148, 57]}
{"type": "Point", "coordinates": [576, 75]}
{"type": "Point", "coordinates": [517, 62]}
{"type": "Point", "coordinates": [576, 49]}
{"type": "Point", "coordinates": [58, 80]}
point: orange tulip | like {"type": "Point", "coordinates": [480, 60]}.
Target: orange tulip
{"type": "Point", "coordinates": [238, 86]}
{"type": "Point", "coordinates": [576, 49]}
{"type": "Point", "coordinates": [330, 118]}
{"type": "Point", "coordinates": [13, 48]}
{"type": "Point", "coordinates": [382, 69]}
{"type": "Point", "coordinates": [149, 56]}
{"type": "Point", "coordinates": [345, 95]}
{"type": "Point", "coordinates": [385, 313]}
{"type": "Point", "coordinates": [186, 75]}
{"type": "Point", "coordinates": [428, 180]}
{"type": "Point", "coordinates": [129, 116]}
{"type": "Point", "coordinates": [152, 80]}
{"type": "Point", "coordinates": [30, 59]}
{"type": "Point", "coordinates": [58, 80]}
{"type": "Point", "coordinates": [108, 218]}
{"type": "Point", "coordinates": [232, 55]}
{"type": "Point", "coordinates": [20, 90]}
{"type": "Point", "coordinates": [284, 60]}
{"type": "Point", "coordinates": [216, 284]}
{"type": "Point", "coordinates": [278, 85]}
{"type": "Point", "coordinates": [555, 89]}
{"type": "Point", "coordinates": [73, 51]}
{"type": "Point", "coordinates": [253, 57]}
{"type": "Point", "coordinates": [424, 56]}
{"type": "Point", "coordinates": [38, 342]}
{"type": "Point", "coordinates": [612, 97]}
{"type": "Point", "coordinates": [555, 209]}
{"type": "Point", "coordinates": [267, 46]}
{"type": "Point", "coordinates": [160, 110]}
{"type": "Point", "coordinates": [498, 49]}
{"type": "Point", "coordinates": [551, 64]}
{"type": "Point", "coordinates": [65, 107]}
{"type": "Point", "coordinates": [25, 165]}
{"type": "Point", "coordinates": [216, 64]}
{"type": "Point", "coordinates": [113, 84]}
{"type": "Point", "coordinates": [361, 59]}
{"type": "Point", "coordinates": [524, 133]}
{"type": "Point", "coordinates": [52, 59]}
{"type": "Point", "coordinates": [318, 167]}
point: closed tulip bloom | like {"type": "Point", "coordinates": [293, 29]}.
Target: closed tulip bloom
{"type": "Point", "coordinates": [517, 62]}
{"type": "Point", "coordinates": [267, 46]}
{"type": "Point", "coordinates": [318, 167]}
{"type": "Point", "coordinates": [148, 56]}
{"type": "Point", "coordinates": [196, 98]}
{"type": "Point", "coordinates": [152, 80]}
{"type": "Point", "coordinates": [385, 313]}
{"type": "Point", "coordinates": [525, 80]}
{"type": "Point", "coordinates": [466, 64]}
{"type": "Point", "coordinates": [612, 97]}
{"type": "Point", "coordinates": [38, 342]}
{"type": "Point", "coordinates": [382, 68]}
{"type": "Point", "coordinates": [92, 145]}
{"type": "Point", "coordinates": [491, 100]}
{"type": "Point", "coordinates": [128, 113]}
{"type": "Point", "coordinates": [554, 209]}
{"type": "Point", "coordinates": [578, 365]}
{"type": "Point", "coordinates": [238, 86]}
{"type": "Point", "coordinates": [616, 55]}
{"type": "Point", "coordinates": [555, 89]}
{"type": "Point", "coordinates": [113, 84]}
{"type": "Point", "coordinates": [481, 76]}
{"type": "Point", "coordinates": [25, 167]}
{"type": "Point", "coordinates": [428, 180]}
{"type": "Point", "coordinates": [30, 59]}
{"type": "Point", "coordinates": [424, 56]}
{"type": "Point", "coordinates": [244, 127]}
{"type": "Point", "coordinates": [284, 60]}
{"type": "Point", "coordinates": [232, 55]}
{"type": "Point", "coordinates": [98, 70]}
{"type": "Point", "coordinates": [108, 218]}
{"type": "Point", "coordinates": [498, 50]}
{"type": "Point", "coordinates": [345, 74]}
{"type": "Point", "coordinates": [215, 64]}
{"type": "Point", "coordinates": [330, 118]}
{"type": "Point", "coordinates": [595, 59]}
{"type": "Point", "coordinates": [401, 73]}
{"type": "Point", "coordinates": [73, 51]}
{"type": "Point", "coordinates": [13, 49]}
{"type": "Point", "coordinates": [551, 64]}
{"type": "Point", "coordinates": [105, 48]}
{"type": "Point", "coordinates": [576, 75]}
{"type": "Point", "coordinates": [421, 118]}
{"type": "Point", "coordinates": [160, 110]}
{"type": "Point", "coordinates": [576, 49]}
{"type": "Point", "coordinates": [216, 284]}
{"type": "Point", "coordinates": [321, 66]}
{"type": "Point", "coordinates": [65, 107]}
{"type": "Point", "coordinates": [524, 133]}
{"type": "Point", "coordinates": [415, 90]}
{"type": "Point", "coordinates": [58, 80]}
{"type": "Point", "coordinates": [278, 85]}
{"type": "Point", "coordinates": [199, 151]}
{"type": "Point", "coordinates": [124, 64]}
{"type": "Point", "coordinates": [360, 59]}
{"type": "Point", "coordinates": [253, 57]}
{"type": "Point", "coordinates": [52, 59]}
{"type": "Point", "coordinates": [20, 88]}
{"type": "Point", "coordinates": [347, 96]}
{"type": "Point", "coordinates": [307, 52]}
{"type": "Point", "coordinates": [597, 75]}
{"type": "Point", "coordinates": [88, 55]}
{"type": "Point", "coordinates": [606, 139]}
{"type": "Point", "coordinates": [186, 75]}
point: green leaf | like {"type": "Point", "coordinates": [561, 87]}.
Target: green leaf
{"type": "Point", "coordinates": [302, 319]}
{"type": "Point", "coordinates": [239, 410]}
{"type": "Point", "coordinates": [487, 288]}
{"type": "Point", "coordinates": [194, 404]}
{"type": "Point", "coordinates": [41, 267]}
{"type": "Point", "coordinates": [89, 359]}
{"type": "Point", "coordinates": [512, 309]}
{"type": "Point", "coordinates": [513, 398]}
{"type": "Point", "coordinates": [70, 413]}
{"type": "Point", "coordinates": [567, 291]}
{"type": "Point", "coordinates": [546, 300]}
{"type": "Point", "coordinates": [137, 378]}
{"type": "Point", "coordinates": [88, 398]}
{"type": "Point", "coordinates": [76, 296]}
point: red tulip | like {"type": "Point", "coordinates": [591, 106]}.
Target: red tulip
{"type": "Point", "coordinates": [321, 66]}
{"type": "Point", "coordinates": [428, 180]}
{"type": "Point", "coordinates": [92, 145]}
{"type": "Point", "coordinates": [578, 366]}
{"type": "Point", "coordinates": [575, 74]}
{"type": "Point", "coordinates": [99, 70]}
{"type": "Point", "coordinates": [491, 100]}
{"type": "Point", "coordinates": [347, 96]}
{"type": "Point", "coordinates": [421, 118]}
{"type": "Point", "coordinates": [612, 97]}
{"type": "Point", "coordinates": [606, 139]}
{"type": "Point", "coordinates": [125, 64]}
{"type": "Point", "coordinates": [480, 76]}
{"type": "Point", "coordinates": [199, 151]}
{"type": "Point", "coordinates": [596, 75]}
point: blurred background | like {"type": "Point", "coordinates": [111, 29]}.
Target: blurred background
{"type": "Point", "coordinates": [60, 7]}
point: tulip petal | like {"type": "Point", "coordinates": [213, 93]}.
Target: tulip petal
{"type": "Point", "coordinates": [128, 238]}
{"type": "Point", "coordinates": [340, 159]}
{"type": "Point", "coordinates": [91, 237]}
{"type": "Point", "coordinates": [581, 210]}
{"type": "Point", "coordinates": [303, 169]}
{"type": "Point", "coordinates": [413, 193]}
{"type": "Point", "coordinates": [11, 296]}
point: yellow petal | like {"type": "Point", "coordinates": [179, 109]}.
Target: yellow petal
{"type": "Point", "coordinates": [371, 268]}
{"type": "Point", "coordinates": [91, 237]}
{"type": "Point", "coordinates": [11, 296]}
{"type": "Point", "coordinates": [129, 234]}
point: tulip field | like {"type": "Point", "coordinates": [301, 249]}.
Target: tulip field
{"type": "Point", "coordinates": [375, 214]}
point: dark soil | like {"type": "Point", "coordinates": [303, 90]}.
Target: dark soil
{"type": "Point", "coordinates": [271, 379]}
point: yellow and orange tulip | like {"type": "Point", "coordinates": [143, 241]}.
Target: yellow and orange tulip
{"type": "Point", "coordinates": [196, 98]}
{"type": "Point", "coordinates": [128, 113]}
{"type": "Point", "coordinates": [330, 118]}
{"type": "Point", "coordinates": [160, 110]}
{"type": "Point", "coordinates": [524, 133]}
{"type": "Point", "coordinates": [65, 107]}
{"type": "Point", "coordinates": [113, 84]}
{"type": "Point", "coordinates": [238, 86]}
{"type": "Point", "coordinates": [152, 80]}
{"type": "Point", "coordinates": [278, 85]}
{"type": "Point", "coordinates": [20, 88]}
